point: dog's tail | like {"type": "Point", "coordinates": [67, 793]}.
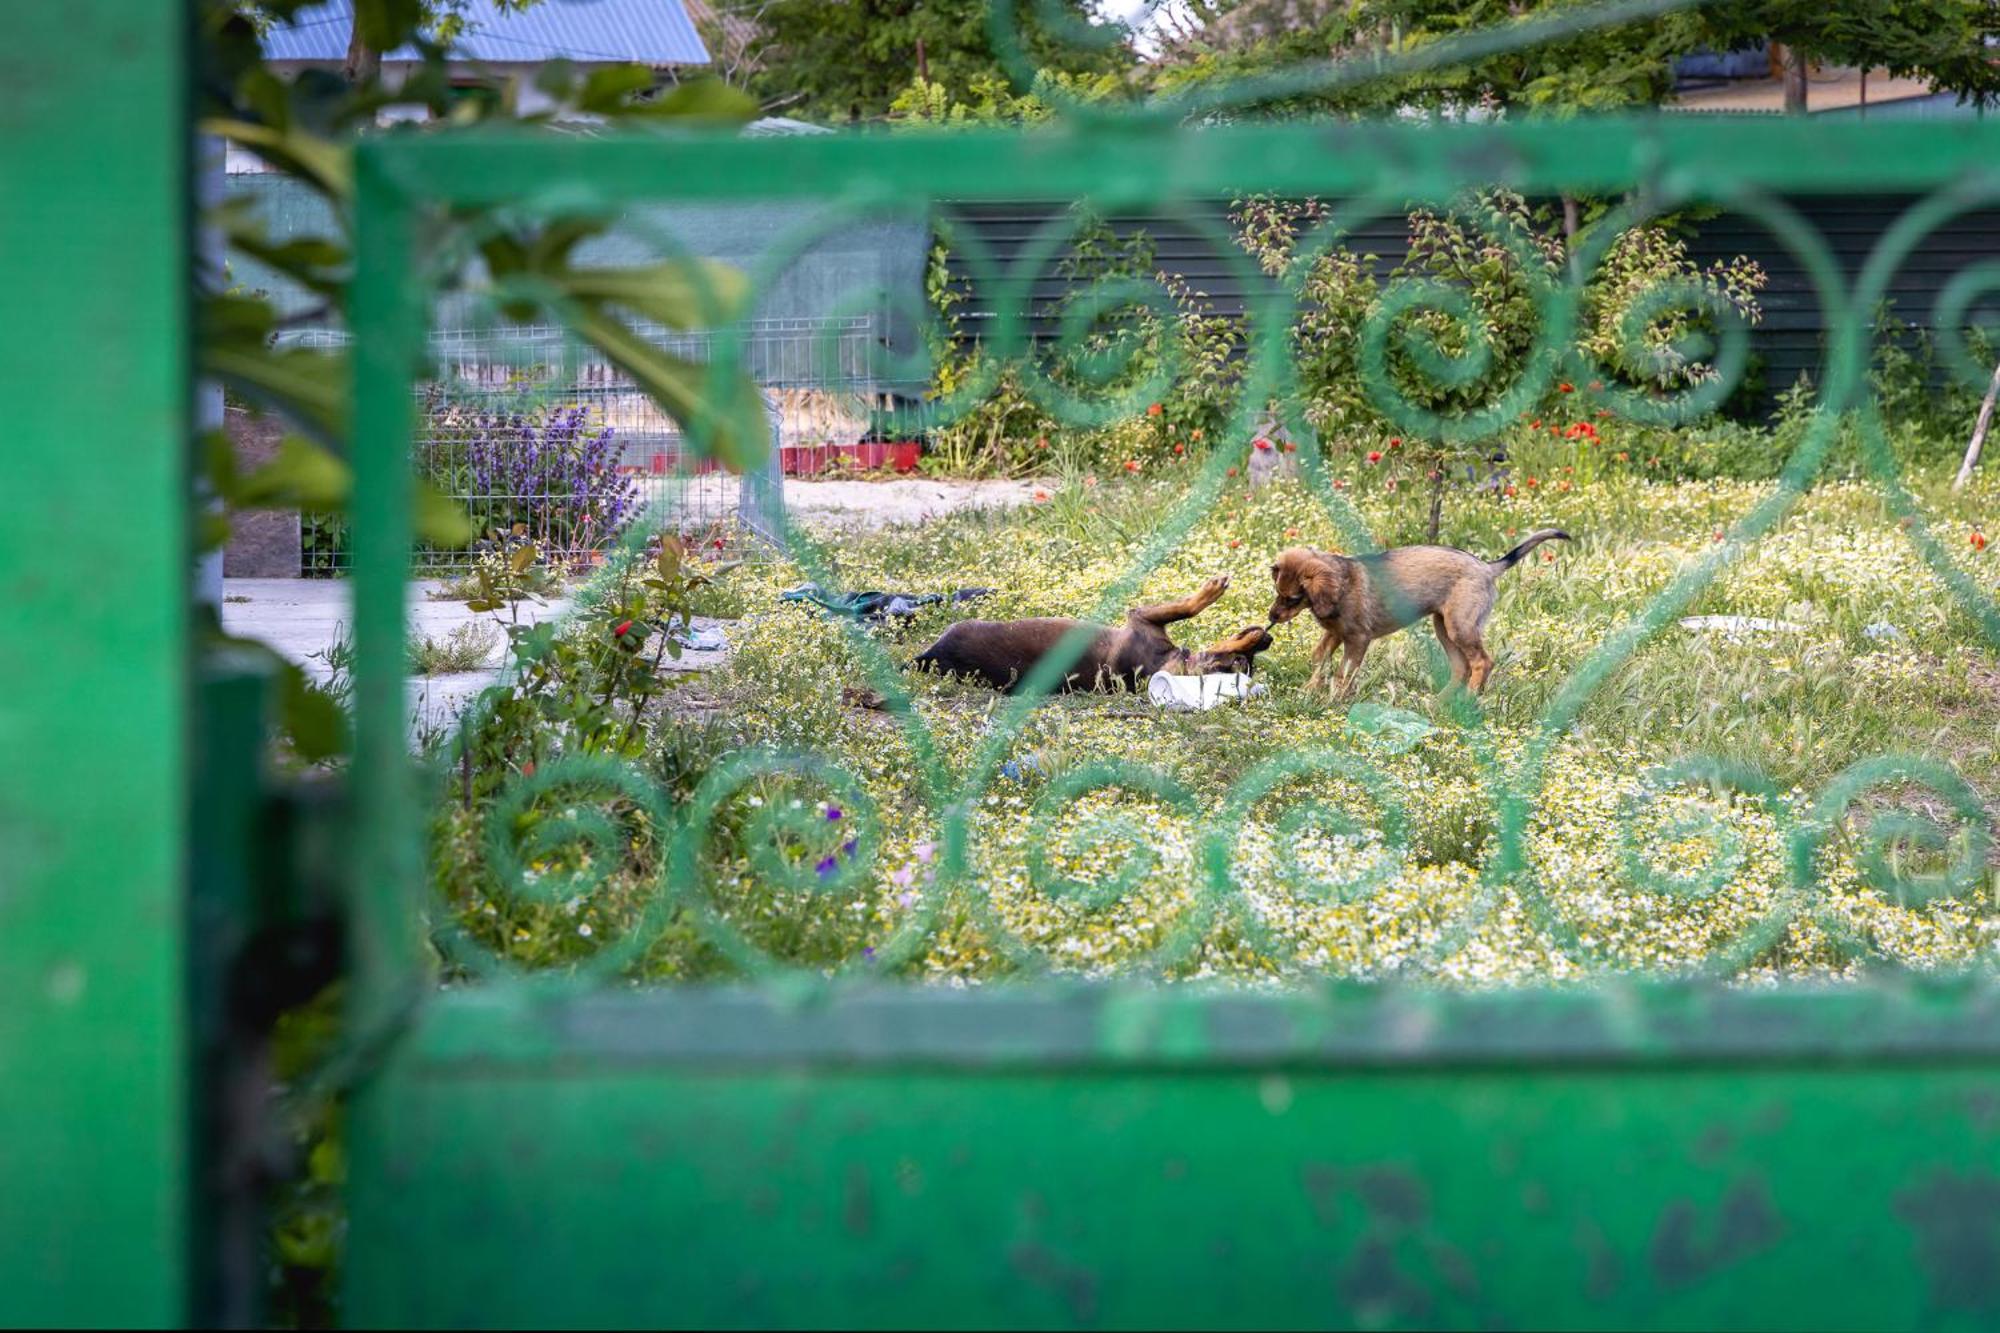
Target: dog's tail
{"type": "Point", "coordinates": [1519, 553]}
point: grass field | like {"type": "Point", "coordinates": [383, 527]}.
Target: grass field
{"type": "Point", "coordinates": [1287, 836]}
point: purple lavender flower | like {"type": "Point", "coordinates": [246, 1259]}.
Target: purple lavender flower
{"type": "Point", "coordinates": [552, 473]}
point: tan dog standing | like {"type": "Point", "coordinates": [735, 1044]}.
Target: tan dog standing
{"type": "Point", "coordinates": [1357, 600]}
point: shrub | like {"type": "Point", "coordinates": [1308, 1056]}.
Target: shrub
{"type": "Point", "coordinates": [548, 474]}
{"type": "Point", "coordinates": [1459, 319]}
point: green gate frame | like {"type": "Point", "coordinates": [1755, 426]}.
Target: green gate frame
{"type": "Point", "coordinates": [522, 1151]}
{"type": "Point", "coordinates": [1637, 1154]}
{"type": "Point", "coordinates": [95, 709]}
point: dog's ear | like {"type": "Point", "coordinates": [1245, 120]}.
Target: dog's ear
{"type": "Point", "coordinates": [1285, 570]}
{"type": "Point", "coordinates": [1323, 582]}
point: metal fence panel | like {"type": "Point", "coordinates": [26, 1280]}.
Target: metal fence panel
{"type": "Point", "coordinates": [810, 1150]}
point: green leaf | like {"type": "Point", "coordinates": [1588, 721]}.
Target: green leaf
{"type": "Point", "coordinates": [386, 24]}
{"type": "Point", "coordinates": [605, 91]}
{"type": "Point", "coordinates": [228, 317]}
{"type": "Point", "coordinates": [308, 384]}
{"type": "Point", "coordinates": [322, 164]}
{"type": "Point", "coordinates": [301, 475]}
{"type": "Point", "coordinates": [211, 531]}
{"type": "Point", "coordinates": [724, 420]}
{"type": "Point", "coordinates": [702, 99]}
{"type": "Point", "coordinates": [437, 518]}
{"type": "Point", "coordinates": [264, 93]}
{"type": "Point", "coordinates": [218, 455]}
{"type": "Point", "coordinates": [556, 78]}
{"type": "Point", "coordinates": [680, 293]}
{"type": "Point", "coordinates": [309, 716]}
{"type": "Point", "coordinates": [306, 260]}
{"type": "Point", "coordinates": [551, 248]}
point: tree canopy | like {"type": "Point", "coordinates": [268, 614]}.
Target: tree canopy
{"type": "Point", "coordinates": [835, 60]}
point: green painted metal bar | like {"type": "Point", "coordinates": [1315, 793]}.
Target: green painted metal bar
{"type": "Point", "coordinates": [1147, 162]}
{"type": "Point", "coordinates": [1053, 1024]}
{"type": "Point", "coordinates": [93, 665]}
{"type": "Point", "coordinates": [387, 870]}
{"type": "Point", "coordinates": [1671, 1159]}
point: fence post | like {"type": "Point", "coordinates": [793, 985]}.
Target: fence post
{"type": "Point", "coordinates": [760, 502]}
{"type": "Point", "coordinates": [94, 666]}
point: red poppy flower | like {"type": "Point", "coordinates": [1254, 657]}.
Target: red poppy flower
{"type": "Point", "coordinates": [1532, 482]}
{"type": "Point", "coordinates": [1131, 465]}
{"type": "Point", "coordinates": [1510, 491]}
{"type": "Point", "coordinates": [1396, 442]}
{"type": "Point", "coordinates": [1261, 443]}
{"type": "Point", "coordinates": [527, 768]}
{"type": "Point", "coordinates": [1565, 388]}
{"type": "Point", "coordinates": [1374, 455]}
{"type": "Point", "coordinates": [1978, 541]}
{"type": "Point", "coordinates": [1234, 543]}
{"type": "Point", "coordinates": [1232, 472]}
{"type": "Point", "coordinates": [1154, 410]}
{"type": "Point", "coordinates": [1179, 448]}
{"type": "Point", "coordinates": [618, 630]}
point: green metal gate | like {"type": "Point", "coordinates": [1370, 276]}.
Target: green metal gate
{"type": "Point", "coordinates": [807, 1151]}
{"type": "Point", "coordinates": [801, 1150]}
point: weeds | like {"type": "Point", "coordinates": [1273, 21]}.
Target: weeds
{"type": "Point", "coordinates": [466, 647]}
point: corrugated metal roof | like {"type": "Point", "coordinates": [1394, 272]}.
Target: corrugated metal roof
{"type": "Point", "coordinates": [649, 32]}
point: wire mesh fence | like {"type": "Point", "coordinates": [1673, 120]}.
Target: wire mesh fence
{"type": "Point", "coordinates": [540, 438]}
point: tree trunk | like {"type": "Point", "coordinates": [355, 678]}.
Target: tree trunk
{"type": "Point", "coordinates": [1978, 433]}
{"type": "Point", "coordinates": [363, 61]}
{"type": "Point", "coordinates": [1794, 64]}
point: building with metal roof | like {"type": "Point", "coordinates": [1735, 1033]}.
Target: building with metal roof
{"type": "Point", "coordinates": [589, 32]}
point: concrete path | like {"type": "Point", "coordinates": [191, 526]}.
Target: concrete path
{"type": "Point", "coordinates": [304, 618]}
{"type": "Point", "coordinates": [693, 502]}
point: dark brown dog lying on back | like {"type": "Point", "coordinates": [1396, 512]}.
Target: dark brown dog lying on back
{"type": "Point", "coordinates": [1003, 652]}
{"type": "Point", "coordinates": [1359, 600]}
